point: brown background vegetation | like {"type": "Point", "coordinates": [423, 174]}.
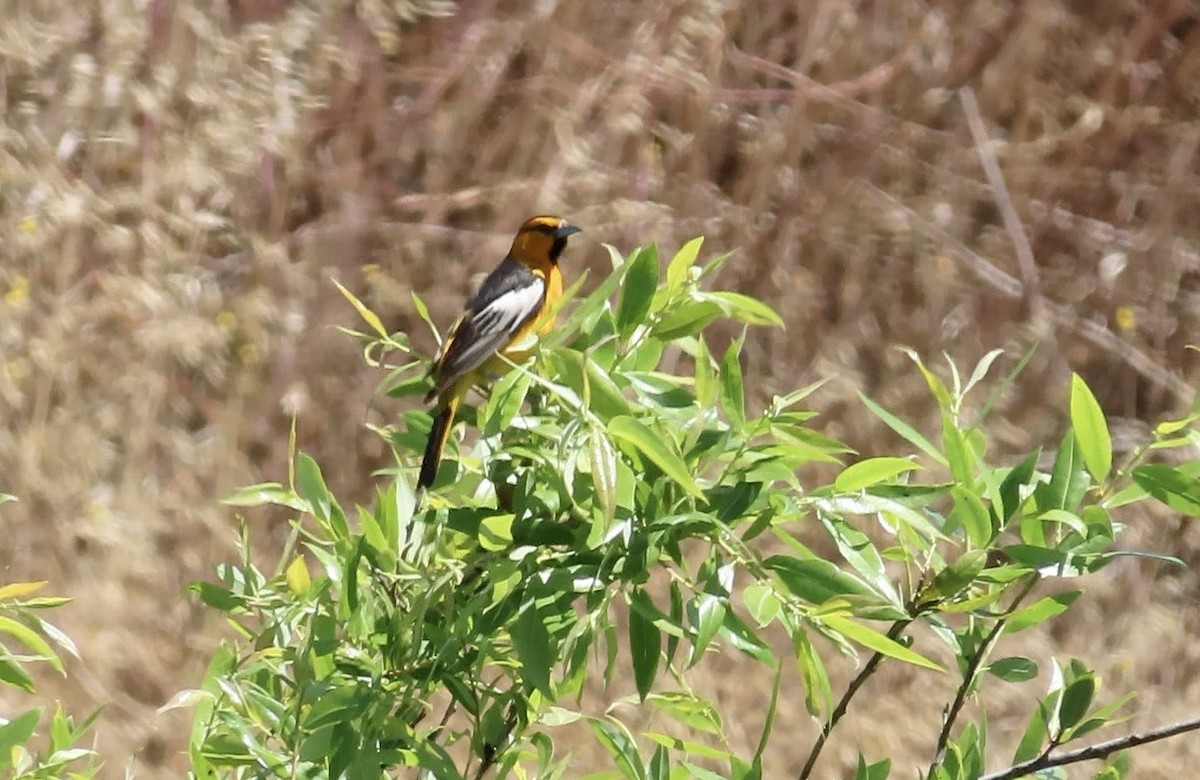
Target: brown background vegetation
{"type": "Point", "coordinates": [181, 180]}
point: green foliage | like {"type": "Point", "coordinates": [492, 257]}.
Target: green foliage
{"type": "Point", "coordinates": [25, 638]}
{"type": "Point", "coordinates": [622, 512]}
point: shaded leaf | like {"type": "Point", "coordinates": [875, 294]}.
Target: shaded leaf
{"type": "Point", "coordinates": [637, 290]}
{"type": "Point", "coordinates": [654, 447]}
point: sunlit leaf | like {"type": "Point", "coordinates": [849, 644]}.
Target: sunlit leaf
{"type": "Point", "coordinates": [1171, 486]}
{"type": "Point", "coordinates": [1091, 429]}
{"type": "Point", "coordinates": [645, 643]}
{"type": "Point", "coordinates": [1040, 611]}
{"type": "Point", "coordinates": [906, 431]}
{"type": "Point", "coordinates": [880, 643]}
{"type": "Point", "coordinates": [1014, 668]}
{"type": "Point", "coordinates": [637, 290]}
{"type": "Point", "coordinates": [872, 471]}
{"type": "Point", "coordinates": [370, 317]}
{"type": "Point", "coordinates": [684, 259]}
{"type": "Point", "coordinates": [653, 446]}
{"type": "Point", "coordinates": [297, 577]}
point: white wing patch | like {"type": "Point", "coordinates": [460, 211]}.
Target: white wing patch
{"type": "Point", "coordinates": [486, 331]}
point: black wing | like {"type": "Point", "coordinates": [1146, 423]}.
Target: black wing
{"type": "Point", "coordinates": [509, 298]}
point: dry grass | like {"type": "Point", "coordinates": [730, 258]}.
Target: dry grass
{"type": "Point", "coordinates": [180, 181]}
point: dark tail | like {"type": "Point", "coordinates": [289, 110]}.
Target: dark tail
{"type": "Point", "coordinates": [438, 435]}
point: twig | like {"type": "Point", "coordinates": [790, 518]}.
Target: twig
{"type": "Point", "coordinates": [842, 705]}
{"type": "Point", "coordinates": [491, 750]}
{"type": "Point", "coordinates": [991, 169]}
{"type": "Point", "coordinates": [1101, 750]}
{"type": "Point", "coordinates": [960, 696]}
{"type": "Point", "coordinates": [1009, 286]}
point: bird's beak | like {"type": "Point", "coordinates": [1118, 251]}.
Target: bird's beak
{"type": "Point", "coordinates": [566, 229]}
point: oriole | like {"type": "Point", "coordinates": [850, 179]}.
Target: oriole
{"type": "Point", "coordinates": [511, 304]}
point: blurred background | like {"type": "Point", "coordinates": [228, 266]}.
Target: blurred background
{"type": "Point", "coordinates": [180, 181]}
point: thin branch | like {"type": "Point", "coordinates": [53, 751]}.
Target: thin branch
{"type": "Point", "coordinates": [991, 169]}
{"type": "Point", "coordinates": [1101, 750]}
{"type": "Point", "coordinates": [491, 750]}
{"type": "Point", "coordinates": [960, 697]}
{"type": "Point", "coordinates": [1064, 316]}
{"type": "Point", "coordinates": [842, 705]}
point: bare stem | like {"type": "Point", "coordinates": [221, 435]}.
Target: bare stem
{"type": "Point", "coordinates": [1101, 750]}
{"type": "Point", "coordinates": [960, 696]}
{"type": "Point", "coordinates": [843, 704]}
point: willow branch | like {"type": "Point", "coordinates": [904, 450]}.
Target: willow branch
{"type": "Point", "coordinates": [844, 703]}
{"type": "Point", "coordinates": [1098, 751]}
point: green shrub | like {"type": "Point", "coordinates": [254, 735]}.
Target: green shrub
{"type": "Point", "coordinates": [25, 639]}
{"type": "Point", "coordinates": [623, 475]}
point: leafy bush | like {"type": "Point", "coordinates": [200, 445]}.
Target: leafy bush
{"type": "Point", "coordinates": [620, 508]}
{"type": "Point", "coordinates": [20, 623]}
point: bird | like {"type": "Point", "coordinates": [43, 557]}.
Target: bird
{"type": "Point", "coordinates": [514, 301]}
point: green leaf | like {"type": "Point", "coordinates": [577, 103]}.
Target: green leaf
{"type": "Point", "coordinates": [1068, 480]}
{"type": "Point", "coordinates": [688, 709]}
{"type": "Point", "coordinates": [1034, 737]}
{"type": "Point", "coordinates": [604, 474]}
{"type": "Point", "coordinates": [495, 532]}
{"type": "Point", "coordinates": [504, 401]}
{"type": "Point", "coordinates": [1171, 486]}
{"type": "Point", "coordinates": [936, 386]}
{"type": "Point", "coordinates": [654, 447]}
{"type": "Point", "coordinates": [20, 590]}
{"type": "Point", "coordinates": [1016, 479]}
{"type": "Point", "coordinates": [616, 739]}
{"type": "Point", "coordinates": [706, 615]}
{"type": "Point", "coordinates": [960, 574]}
{"type": "Point", "coordinates": [531, 640]}
{"type": "Point", "coordinates": [266, 493]}
{"type": "Point", "coordinates": [905, 431]}
{"type": "Point", "coordinates": [816, 580]}
{"type": "Point", "coordinates": [818, 694]}
{"type": "Point", "coordinates": [13, 674]}
{"type": "Point", "coordinates": [660, 764]}
{"type": "Point", "coordinates": [368, 316]}
{"type": "Point", "coordinates": [637, 292]}
{"type": "Point", "coordinates": [745, 309]}
{"type": "Point", "coordinates": [872, 471]}
{"type": "Point", "coordinates": [970, 512]}
{"type": "Point", "coordinates": [30, 638]}
{"type": "Point", "coordinates": [1076, 699]}
{"type": "Point", "coordinates": [705, 382]}
{"type": "Point", "coordinates": [645, 643]}
{"type": "Point", "coordinates": [311, 487]}
{"type": "Point", "coordinates": [684, 259]}
{"type": "Point", "coordinates": [981, 369]}
{"type": "Point", "coordinates": [17, 731]}
{"type": "Point", "coordinates": [1068, 519]}
{"type": "Point", "coordinates": [761, 601]}
{"type": "Point", "coordinates": [877, 771]}
{"type": "Point", "coordinates": [958, 451]}
{"type": "Point", "coordinates": [688, 318]}
{"type": "Point", "coordinates": [880, 643]}
{"type": "Point", "coordinates": [1091, 429]}
{"type": "Point", "coordinates": [769, 721]}
{"type": "Point", "coordinates": [297, 577]}
{"type": "Point", "coordinates": [1014, 668]}
{"type": "Point", "coordinates": [1040, 611]}
{"type": "Point", "coordinates": [733, 400]}
{"type": "Point", "coordinates": [589, 381]}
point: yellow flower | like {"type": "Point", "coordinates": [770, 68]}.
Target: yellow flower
{"type": "Point", "coordinates": [1126, 319]}
{"type": "Point", "coordinates": [28, 225]}
{"type": "Point", "coordinates": [226, 320]}
{"type": "Point", "coordinates": [248, 354]}
{"type": "Point", "coordinates": [17, 294]}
